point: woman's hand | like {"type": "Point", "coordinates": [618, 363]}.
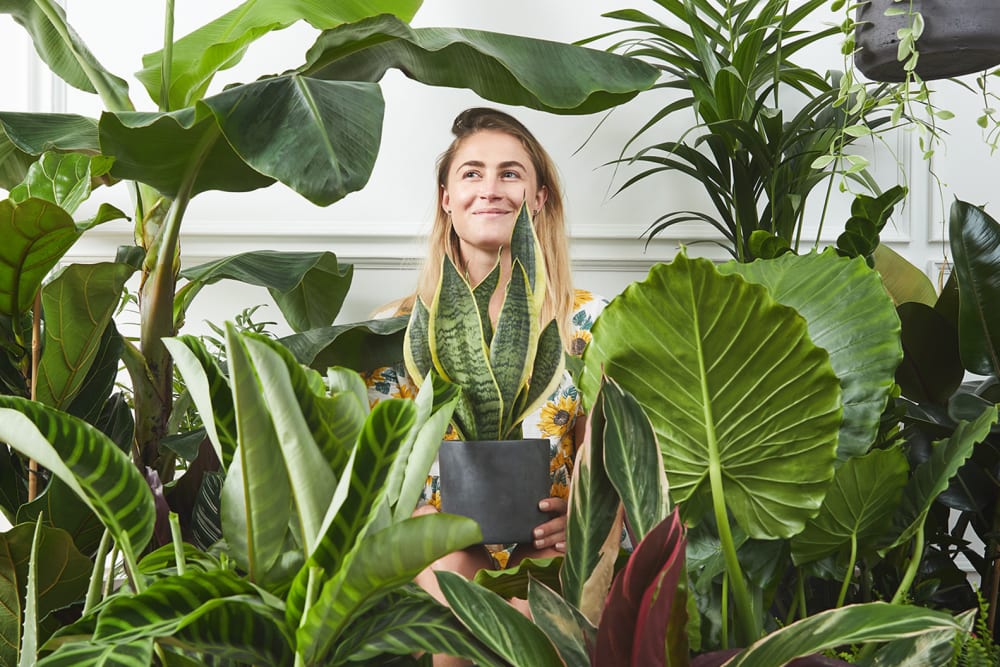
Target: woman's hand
{"type": "Point", "coordinates": [552, 533]}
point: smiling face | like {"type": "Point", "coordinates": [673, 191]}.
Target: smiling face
{"type": "Point", "coordinates": [489, 177]}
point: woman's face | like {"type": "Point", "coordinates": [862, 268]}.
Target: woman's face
{"type": "Point", "coordinates": [489, 177]}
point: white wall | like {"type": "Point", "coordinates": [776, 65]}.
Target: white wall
{"type": "Point", "coordinates": [379, 229]}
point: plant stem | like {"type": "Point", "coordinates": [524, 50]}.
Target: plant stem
{"type": "Point", "coordinates": [175, 533]}
{"type": "Point", "coordinates": [312, 584]}
{"type": "Point", "coordinates": [166, 63]}
{"type": "Point", "coordinates": [913, 566]}
{"type": "Point", "coordinates": [725, 610]}
{"type": "Point", "coordinates": [97, 576]}
{"type": "Point", "coordinates": [745, 621]}
{"type": "Point", "coordinates": [36, 357]}
{"type": "Point", "coordinates": [850, 571]}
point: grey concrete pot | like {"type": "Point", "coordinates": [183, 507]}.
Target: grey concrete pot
{"type": "Point", "coordinates": [960, 37]}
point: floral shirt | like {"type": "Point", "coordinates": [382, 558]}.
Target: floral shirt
{"type": "Point", "coordinates": [555, 420]}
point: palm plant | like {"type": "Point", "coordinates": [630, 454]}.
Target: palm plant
{"type": "Point", "coordinates": [733, 65]}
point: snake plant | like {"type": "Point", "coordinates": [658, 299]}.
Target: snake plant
{"type": "Point", "coordinates": [504, 371]}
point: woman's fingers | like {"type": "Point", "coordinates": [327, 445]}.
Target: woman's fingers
{"type": "Point", "coordinates": [552, 533]}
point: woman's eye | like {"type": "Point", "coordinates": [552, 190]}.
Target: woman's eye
{"type": "Point", "coordinates": [470, 174]}
{"type": "Point", "coordinates": [511, 174]}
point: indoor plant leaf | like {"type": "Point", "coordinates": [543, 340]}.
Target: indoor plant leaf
{"type": "Point", "coordinates": [501, 68]}
{"type": "Point", "coordinates": [78, 304]}
{"type": "Point", "coordinates": [568, 630]}
{"type": "Point", "coordinates": [221, 43]}
{"type": "Point", "coordinates": [904, 281]}
{"type": "Point", "coordinates": [853, 624]}
{"type": "Point", "coordinates": [308, 287]}
{"type": "Point", "coordinates": [138, 653]}
{"type": "Point", "coordinates": [858, 507]}
{"type": "Point", "coordinates": [33, 133]}
{"type": "Point", "coordinates": [498, 625]}
{"type": "Point", "coordinates": [36, 235]}
{"type": "Point", "coordinates": [362, 346]}
{"type": "Point", "coordinates": [931, 370]}
{"type": "Point", "coordinates": [764, 416]}
{"type": "Point", "coordinates": [975, 244]}
{"type": "Point", "coordinates": [855, 323]}
{"type": "Point", "coordinates": [29, 635]}
{"type": "Point", "coordinates": [61, 575]}
{"type": "Point", "coordinates": [87, 461]}
{"type": "Point", "coordinates": [62, 178]}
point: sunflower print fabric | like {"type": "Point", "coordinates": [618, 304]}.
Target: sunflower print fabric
{"type": "Point", "coordinates": [555, 420]}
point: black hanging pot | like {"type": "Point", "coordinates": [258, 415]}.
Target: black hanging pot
{"type": "Point", "coordinates": [959, 37]}
{"type": "Point", "coordinates": [497, 483]}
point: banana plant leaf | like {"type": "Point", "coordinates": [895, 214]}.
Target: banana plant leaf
{"type": "Point", "coordinates": [975, 245]}
{"type": "Point", "coordinates": [501, 68]}
{"type": "Point", "coordinates": [733, 387]}
{"type": "Point", "coordinates": [363, 346]}
{"type": "Point", "coordinates": [308, 287]}
{"type": "Point", "coordinates": [857, 510]}
{"type": "Point", "coordinates": [221, 44]}
{"type": "Point", "coordinates": [60, 578]}
{"type": "Point", "coordinates": [849, 315]}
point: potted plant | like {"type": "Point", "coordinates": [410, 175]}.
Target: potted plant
{"type": "Point", "coordinates": [504, 372]}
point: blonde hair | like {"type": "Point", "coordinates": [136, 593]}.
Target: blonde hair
{"type": "Point", "coordinates": [550, 223]}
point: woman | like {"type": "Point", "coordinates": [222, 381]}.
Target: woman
{"type": "Point", "coordinates": [491, 167]}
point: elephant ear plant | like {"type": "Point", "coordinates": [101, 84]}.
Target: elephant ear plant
{"type": "Point", "coordinates": [504, 373]}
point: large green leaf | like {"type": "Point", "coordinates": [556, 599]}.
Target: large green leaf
{"type": "Point", "coordinates": [406, 622]}
{"type": "Point", "coordinates": [850, 316]}
{"type": "Point", "coordinates": [903, 281]}
{"type": "Point", "coordinates": [221, 43]}
{"type": "Point", "coordinates": [733, 387]}
{"type": "Point", "coordinates": [932, 368]}
{"type": "Point", "coordinates": [501, 68]}
{"type": "Point", "coordinates": [854, 624]}
{"type": "Point", "coordinates": [497, 624]}
{"type": "Point", "coordinates": [975, 245]}
{"type": "Point", "coordinates": [216, 611]}
{"type": "Point", "coordinates": [61, 575]}
{"type": "Point", "coordinates": [35, 133]}
{"type": "Point", "coordinates": [63, 179]}
{"type": "Point", "coordinates": [78, 306]}
{"type": "Point", "coordinates": [138, 653]}
{"type": "Point", "coordinates": [363, 346]}
{"type": "Point", "coordinates": [61, 48]}
{"type": "Point", "coordinates": [59, 507]}
{"type": "Point", "coordinates": [309, 287]}
{"type": "Point", "coordinates": [36, 235]}
{"type": "Point", "coordinates": [568, 629]}
{"type": "Point", "coordinates": [88, 462]}
{"type": "Point", "coordinates": [381, 562]}
{"type": "Point", "coordinates": [858, 507]}
{"type": "Point", "coordinates": [256, 496]}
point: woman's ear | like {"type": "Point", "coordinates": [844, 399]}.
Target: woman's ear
{"type": "Point", "coordinates": [540, 198]}
{"type": "Point", "coordinates": [445, 200]}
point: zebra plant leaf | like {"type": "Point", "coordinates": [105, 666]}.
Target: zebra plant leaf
{"type": "Point", "coordinates": [88, 462]}
{"type": "Point", "coordinates": [138, 653]}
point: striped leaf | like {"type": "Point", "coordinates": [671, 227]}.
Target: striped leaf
{"type": "Point", "coordinates": [88, 462]}
{"type": "Point", "coordinates": [216, 612]}
{"type": "Point", "coordinates": [256, 495]}
{"type": "Point", "coordinates": [406, 622]}
{"type": "Point", "coordinates": [547, 371]}
{"type": "Point", "coordinates": [210, 391]}
{"type": "Point", "coordinates": [512, 351]}
{"type": "Point", "coordinates": [138, 653]}
{"type": "Point", "coordinates": [483, 292]}
{"type": "Point", "coordinates": [381, 562]}
{"type": "Point", "coordinates": [632, 460]}
{"type": "Point", "coordinates": [497, 624]}
{"type": "Point", "coordinates": [593, 524]}
{"type": "Point", "coordinates": [568, 629]}
{"type": "Point", "coordinates": [416, 343]}
{"type": "Point", "coordinates": [856, 324]}
{"type": "Point", "coordinates": [460, 352]}
{"type": "Point", "coordinates": [853, 624]}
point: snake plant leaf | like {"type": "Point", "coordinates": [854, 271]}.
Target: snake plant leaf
{"type": "Point", "coordinates": [96, 654]}
{"type": "Point", "coordinates": [849, 315]}
{"type": "Point", "coordinates": [406, 622]}
{"type": "Point", "coordinates": [59, 47]}
{"type": "Point", "coordinates": [975, 245]}
{"type": "Point", "coordinates": [483, 292]}
{"type": "Point", "coordinates": [593, 524]}
{"type": "Point", "coordinates": [256, 495]}
{"type": "Point", "coordinates": [858, 507]}
{"type": "Point", "coordinates": [217, 612]}
{"type": "Point", "coordinates": [65, 179]}
{"type": "Point", "coordinates": [455, 338]}
{"type": "Point", "coordinates": [78, 305]}
{"type": "Point", "coordinates": [526, 249]}
{"type": "Point", "coordinates": [547, 371]}
{"type": "Point", "coordinates": [363, 346]}
{"type": "Point", "coordinates": [501, 68]}
{"type": "Point", "coordinates": [853, 624]}
{"type": "Point", "coordinates": [381, 562]}
{"type": "Point", "coordinates": [86, 461]}
{"type": "Point", "coordinates": [512, 349]}
{"type": "Point", "coordinates": [568, 630]}
{"type": "Point", "coordinates": [210, 391]}
{"type": "Point", "coordinates": [497, 624]}
{"type": "Point", "coordinates": [731, 383]}
{"type": "Point", "coordinates": [632, 460]}
{"type": "Point", "coordinates": [36, 235]}
{"type": "Point", "coordinates": [60, 578]}
{"type": "Point", "coordinates": [220, 44]}
{"type": "Point", "coordinates": [308, 287]}
{"type": "Point", "coordinates": [416, 342]}
{"type": "Point", "coordinates": [930, 479]}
